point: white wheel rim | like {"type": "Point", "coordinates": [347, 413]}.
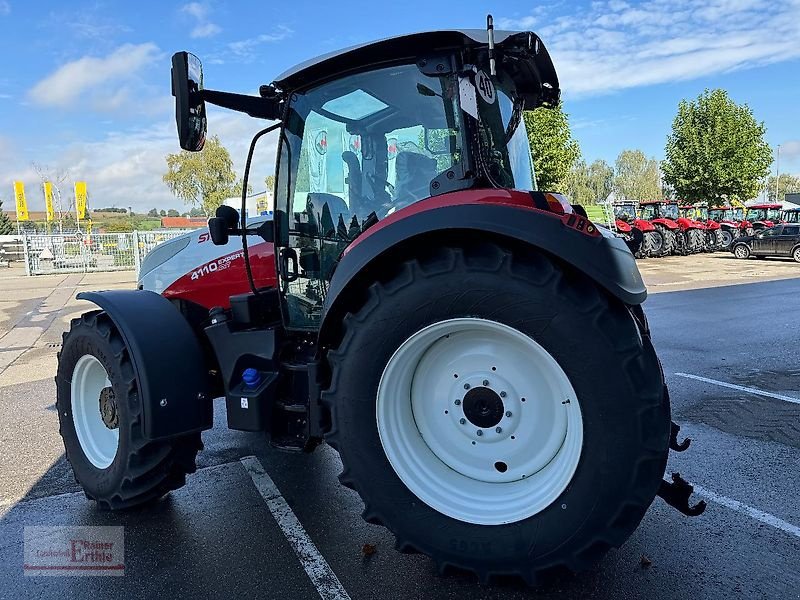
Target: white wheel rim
{"type": "Point", "coordinates": [741, 251]}
{"type": "Point", "coordinates": [447, 464]}
{"type": "Point", "coordinates": [98, 442]}
{"type": "Point", "coordinates": [657, 242]}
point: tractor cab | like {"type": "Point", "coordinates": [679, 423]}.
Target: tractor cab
{"type": "Point", "coordinates": [372, 130]}
{"type": "Point", "coordinates": [763, 216]}
{"type": "Point", "coordinates": [790, 215]}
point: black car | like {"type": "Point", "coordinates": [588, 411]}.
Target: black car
{"type": "Point", "coordinates": [781, 240]}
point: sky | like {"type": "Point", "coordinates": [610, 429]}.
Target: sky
{"type": "Point", "coordinates": [85, 86]}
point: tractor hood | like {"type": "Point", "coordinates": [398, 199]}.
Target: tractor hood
{"type": "Point", "coordinates": [520, 54]}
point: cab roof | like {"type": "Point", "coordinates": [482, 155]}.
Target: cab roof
{"type": "Point", "coordinates": [530, 65]}
{"type": "Point", "coordinates": [765, 206]}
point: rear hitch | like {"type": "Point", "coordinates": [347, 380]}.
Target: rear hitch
{"type": "Point", "coordinates": [677, 494]}
{"type": "Point", "coordinates": [673, 439]}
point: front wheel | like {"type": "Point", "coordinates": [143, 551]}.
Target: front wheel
{"type": "Point", "coordinates": [483, 426]}
{"type": "Point", "coordinates": [100, 418]}
{"type": "Point", "coordinates": [741, 251]}
{"type": "Point", "coordinates": [796, 255]}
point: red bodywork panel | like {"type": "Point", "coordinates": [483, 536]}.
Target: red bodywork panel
{"type": "Point", "coordinates": [214, 282]}
{"type": "Point", "coordinates": [623, 226]}
{"type": "Point", "coordinates": [685, 223]}
{"type": "Point", "coordinates": [513, 198]}
{"type": "Point", "coordinates": [668, 223]}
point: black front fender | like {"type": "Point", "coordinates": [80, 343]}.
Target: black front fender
{"type": "Point", "coordinates": [167, 359]}
{"type": "Point", "coordinates": [604, 258]}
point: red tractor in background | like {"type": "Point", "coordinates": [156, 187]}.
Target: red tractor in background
{"type": "Point", "coordinates": [698, 213]}
{"type": "Point", "coordinates": [763, 216]}
{"type": "Point", "coordinates": [728, 227]}
{"type": "Point", "coordinates": [648, 241]}
{"type": "Point", "coordinates": [739, 216]}
{"type": "Point", "coordinates": [681, 235]}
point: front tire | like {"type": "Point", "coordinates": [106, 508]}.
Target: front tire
{"type": "Point", "coordinates": [100, 417]}
{"type": "Point", "coordinates": [583, 418]}
{"type": "Point", "coordinates": [741, 251]}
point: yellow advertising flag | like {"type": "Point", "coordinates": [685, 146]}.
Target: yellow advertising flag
{"type": "Point", "coordinates": [22, 205]}
{"type": "Point", "coordinates": [80, 199]}
{"type": "Point", "coordinates": [48, 201]}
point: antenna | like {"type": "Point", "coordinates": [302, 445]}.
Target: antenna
{"type": "Point", "coordinates": [490, 32]}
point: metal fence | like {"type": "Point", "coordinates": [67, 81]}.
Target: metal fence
{"type": "Point", "coordinates": [83, 253]}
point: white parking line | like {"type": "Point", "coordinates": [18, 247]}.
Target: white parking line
{"type": "Point", "coordinates": [754, 513]}
{"type": "Point", "coordinates": [315, 565]}
{"type": "Point", "coordinates": [741, 388]}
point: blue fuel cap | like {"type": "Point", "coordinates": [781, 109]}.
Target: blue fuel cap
{"type": "Point", "coordinates": [251, 377]}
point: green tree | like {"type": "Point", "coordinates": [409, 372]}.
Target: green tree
{"type": "Point", "coordinates": [787, 184]}
{"type": "Point", "coordinates": [153, 212]}
{"type": "Point", "coordinates": [6, 227]}
{"type": "Point", "coordinates": [576, 184]}
{"type": "Point", "coordinates": [600, 180]}
{"type": "Point", "coordinates": [636, 176]}
{"type": "Point", "coordinates": [197, 212]}
{"type": "Point", "coordinates": [554, 149]}
{"type": "Point", "coordinates": [162, 213]}
{"type": "Point", "coordinates": [269, 183]}
{"type": "Point", "coordinates": [716, 151]}
{"type": "Point", "coordinates": [173, 213]}
{"type": "Point", "coordinates": [203, 179]}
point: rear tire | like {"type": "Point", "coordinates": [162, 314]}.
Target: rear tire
{"type": "Point", "coordinates": [694, 241]}
{"type": "Point", "coordinates": [725, 238]}
{"type": "Point", "coordinates": [656, 243]}
{"type": "Point", "coordinates": [619, 407]}
{"type": "Point", "coordinates": [669, 240]}
{"type": "Point", "coordinates": [100, 417]}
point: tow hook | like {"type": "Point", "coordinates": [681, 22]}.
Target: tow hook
{"type": "Point", "coordinates": [677, 493]}
{"type": "Point", "coordinates": [673, 439]}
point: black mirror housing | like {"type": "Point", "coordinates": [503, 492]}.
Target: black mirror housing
{"type": "Point", "coordinates": [229, 214]}
{"type": "Point", "coordinates": [190, 108]}
{"type": "Point", "coordinates": [219, 230]}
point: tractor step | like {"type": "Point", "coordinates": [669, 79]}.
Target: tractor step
{"type": "Point", "coordinates": [677, 492]}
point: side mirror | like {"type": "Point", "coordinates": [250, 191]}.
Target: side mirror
{"type": "Point", "coordinates": [190, 108]}
{"type": "Point", "coordinates": [218, 228]}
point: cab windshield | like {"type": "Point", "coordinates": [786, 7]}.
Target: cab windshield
{"type": "Point", "coordinates": [756, 214]}
{"type": "Point", "coordinates": [368, 144]}
{"type": "Point", "coordinates": [773, 214]}
{"type": "Point", "coordinates": [738, 214]}
{"type": "Point", "coordinates": [625, 212]}
{"type": "Point", "coordinates": [719, 214]}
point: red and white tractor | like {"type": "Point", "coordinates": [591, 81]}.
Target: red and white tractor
{"type": "Point", "coordinates": [649, 241]}
{"type": "Point", "coordinates": [763, 216]}
{"type": "Point", "coordinates": [475, 349]}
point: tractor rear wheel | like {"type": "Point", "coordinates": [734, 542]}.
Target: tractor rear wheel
{"type": "Point", "coordinates": [725, 238]}
{"type": "Point", "coordinates": [100, 417]}
{"type": "Point", "coordinates": [653, 243]}
{"type": "Point", "coordinates": [694, 241]}
{"type": "Point", "coordinates": [711, 241]}
{"type": "Point", "coordinates": [481, 424]}
{"type": "Point", "coordinates": [668, 236]}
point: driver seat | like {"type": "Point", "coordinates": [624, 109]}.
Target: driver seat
{"type": "Point", "coordinates": [414, 175]}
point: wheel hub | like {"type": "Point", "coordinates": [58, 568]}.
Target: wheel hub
{"type": "Point", "coordinates": [483, 407]}
{"type": "Point", "coordinates": [108, 408]}
{"type": "Point", "coordinates": [479, 421]}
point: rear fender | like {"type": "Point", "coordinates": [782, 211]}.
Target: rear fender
{"type": "Point", "coordinates": [604, 258]}
{"type": "Point", "coordinates": [167, 359]}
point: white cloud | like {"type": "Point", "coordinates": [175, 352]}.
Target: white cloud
{"type": "Point", "coordinates": [68, 85]}
{"type": "Point", "coordinates": [5, 8]}
{"type": "Point", "coordinates": [125, 168]}
{"type": "Point", "coordinates": [612, 45]}
{"type": "Point", "coordinates": [199, 12]}
{"type": "Point", "coordinates": [246, 48]}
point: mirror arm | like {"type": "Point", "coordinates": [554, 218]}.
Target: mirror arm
{"type": "Point", "coordinates": [260, 108]}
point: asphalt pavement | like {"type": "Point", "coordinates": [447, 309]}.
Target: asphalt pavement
{"type": "Point", "coordinates": [223, 536]}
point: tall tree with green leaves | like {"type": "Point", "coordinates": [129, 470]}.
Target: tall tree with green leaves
{"type": "Point", "coordinates": [600, 177]}
{"type": "Point", "coordinates": [637, 177]}
{"type": "Point", "coordinates": [554, 149]}
{"type": "Point", "coordinates": [716, 151]}
{"type": "Point", "coordinates": [787, 184]}
{"type": "Point", "coordinates": [6, 227]}
{"type": "Point", "coordinates": [203, 179]}
{"type": "Point", "coordinates": [576, 184]}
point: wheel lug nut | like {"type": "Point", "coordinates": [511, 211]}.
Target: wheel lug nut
{"type": "Point", "coordinates": [508, 413]}
{"type": "Point", "coordinates": [499, 430]}
{"type": "Point", "coordinates": [503, 394]}
{"type": "Point", "coordinates": [485, 382]}
{"type": "Point", "coordinates": [480, 432]}
{"type": "Point", "coordinates": [466, 386]}
{"type": "Point", "coordinates": [462, 421]}
{"type": "Point", "coordinates": [458, 402]}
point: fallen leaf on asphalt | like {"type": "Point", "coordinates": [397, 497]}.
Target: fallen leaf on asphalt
{"type": "Point", "coordinates": [645, 562]}
{"type": "Point", "coordinates": [368, 549]}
